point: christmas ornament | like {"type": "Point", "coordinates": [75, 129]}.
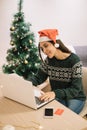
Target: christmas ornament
{"type": "Point", "coordinates": [26, 62]}
{"type": "Point", "coordinates": [12, 28]}
{"type": "Point", "coordinates": [12, 43]}
{"type": "Point", "coordinates": [30, 41]}
{"type": "Point", "coordinates": [15, 49]}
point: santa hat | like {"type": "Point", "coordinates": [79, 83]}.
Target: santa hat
{"type": "Point", "coordinates": [48, 35]}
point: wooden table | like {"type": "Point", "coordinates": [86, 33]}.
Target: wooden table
{"type": "Point", "coordinates": [25, 118]}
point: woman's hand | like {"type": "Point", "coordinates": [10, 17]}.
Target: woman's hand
{"type": "Point", "coordinates": [48, 95]}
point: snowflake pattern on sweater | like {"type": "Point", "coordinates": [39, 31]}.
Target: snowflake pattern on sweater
{"type": "Point", "coordinates": [63, 74]}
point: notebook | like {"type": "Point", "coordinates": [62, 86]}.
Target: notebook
{"type": "Point", "coordinates": [16, 88]}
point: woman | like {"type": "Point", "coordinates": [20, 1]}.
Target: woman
{"type": "Point", "coordinates": [64, 70]}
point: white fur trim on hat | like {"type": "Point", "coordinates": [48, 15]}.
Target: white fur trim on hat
{"type": "Point", "coordinates": [45, 38]}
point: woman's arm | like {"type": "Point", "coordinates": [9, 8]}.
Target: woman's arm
{"type": "Point", "coordinates": [38, 78]}
{"type": "Point", "coordinates": [75, 89]}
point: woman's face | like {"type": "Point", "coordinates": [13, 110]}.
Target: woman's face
{"type": "Point", "coordinates": [48, 49]}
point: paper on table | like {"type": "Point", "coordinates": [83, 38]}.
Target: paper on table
{"type": "Point", "coordinates": [59, 111]}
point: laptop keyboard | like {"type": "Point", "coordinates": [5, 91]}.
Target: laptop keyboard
{"type": "Point", "coordinates": [38, 101]}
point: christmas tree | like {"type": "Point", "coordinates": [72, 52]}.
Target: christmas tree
{"type": "Point", "coordinates": [22, 58]}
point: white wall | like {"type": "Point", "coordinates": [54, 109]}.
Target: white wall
{"type": "Point", "coordinates": [68, 16]}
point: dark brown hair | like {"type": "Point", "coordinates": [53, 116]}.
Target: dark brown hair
{"type": "Point", "coordinates": [62, 47]}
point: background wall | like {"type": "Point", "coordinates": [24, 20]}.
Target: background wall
{"type": "Point", "coordinates": [68, 16]}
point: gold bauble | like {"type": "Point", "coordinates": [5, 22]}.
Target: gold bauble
{"type": "Point", "coordinates": [12, 43]}
{"type": "Point", "coordinates": [12, 28]}
{"type": "Point", "coordinates": [30, 41]}
{"type": "Point", "coordinates": [26, 62]}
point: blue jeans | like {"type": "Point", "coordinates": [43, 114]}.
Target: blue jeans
{"type": "Point", "coordinates": [73, 104]}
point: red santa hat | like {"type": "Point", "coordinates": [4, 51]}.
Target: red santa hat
{"type": "Point", "coordinates": [48, 35]}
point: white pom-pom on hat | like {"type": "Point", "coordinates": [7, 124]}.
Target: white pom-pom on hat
{"type": "Point", "coordinates": [56, 45]}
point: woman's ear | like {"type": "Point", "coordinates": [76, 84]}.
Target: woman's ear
{"type": "Point", "coordinates": [56, 45]}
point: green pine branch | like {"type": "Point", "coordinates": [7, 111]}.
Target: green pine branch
{"type": "Point", "coordinates": [20, 5]}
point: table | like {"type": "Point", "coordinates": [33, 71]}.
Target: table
{"type": "Point", "coordinates": [25, 118]}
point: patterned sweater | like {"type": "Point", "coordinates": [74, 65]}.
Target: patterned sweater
{"type": "Point", "coordinates": [65, 77]}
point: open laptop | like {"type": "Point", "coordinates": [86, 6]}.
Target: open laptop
{"type": "Point", "coordinates": [16, 88]}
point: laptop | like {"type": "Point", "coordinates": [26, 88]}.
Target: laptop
{"type": "Point", "coordinates": [16, 88]}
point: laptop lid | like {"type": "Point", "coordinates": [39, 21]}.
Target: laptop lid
{"type": "Point", "coordinates": [20, 90]}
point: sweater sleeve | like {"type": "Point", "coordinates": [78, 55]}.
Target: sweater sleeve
{"type": "Point", "coordinates": [71, 92]}
{"type": "Point", "coordinates": [75, 87]}
{"type": "Point", "coordinates": [40, 77]}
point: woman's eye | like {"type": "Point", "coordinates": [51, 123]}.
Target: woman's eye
{"type": "Point", "coordinates": [45, 46]}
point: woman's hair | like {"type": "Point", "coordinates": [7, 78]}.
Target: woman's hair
{"type": "Point", "coordinates": [62, 47]}
{"type": "Point", "coordinates": [40, 52]}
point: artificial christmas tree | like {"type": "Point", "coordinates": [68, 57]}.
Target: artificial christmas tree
{"type": "Point", "coordinates": [22, 58]}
